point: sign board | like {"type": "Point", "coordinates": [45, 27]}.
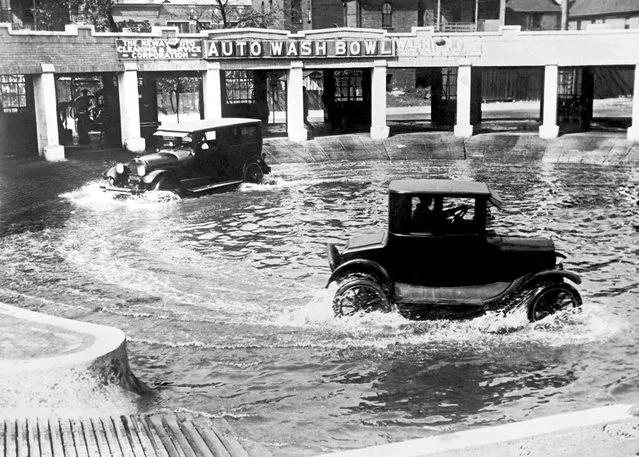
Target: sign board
{"type": "Point", "coordinates": [157, 48]}
{"type": "Point", "coordinates": [438, 46]}
{"type": "Point", "coordinates": [295, 49]}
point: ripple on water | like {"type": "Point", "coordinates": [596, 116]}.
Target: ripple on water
{"type": "Point", "coordinates": [223, 302]}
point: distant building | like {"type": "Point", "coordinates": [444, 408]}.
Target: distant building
{"type": "Point", "coordinates": [534, 14]}
{"type": "Point", "coordinates": [401, 16]}
{"type": "Point", "coordinates": [617, 14]}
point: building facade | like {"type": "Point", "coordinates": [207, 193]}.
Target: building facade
{"type": "Point", "coordinates": [233, 71]}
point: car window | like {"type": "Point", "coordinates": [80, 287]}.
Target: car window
{"type": "Point", "coordinates": [249, 133]}
{"type": "Point", "coordinates": [177, 142]}
{"type": "Point", "coordinates": [442, 215]}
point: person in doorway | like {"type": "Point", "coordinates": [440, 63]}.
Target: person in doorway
{"type": "Point", "coordinates": [83, 119]}
{"type": "Point", "coordinates": [306, 103]}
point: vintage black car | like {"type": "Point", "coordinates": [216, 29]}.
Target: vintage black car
{"type": "Point", "coordinates": [195, 157]}
{"type": "Point", "coordinates": [438, 259]}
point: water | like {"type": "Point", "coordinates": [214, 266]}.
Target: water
{"type": "Point", "coordinates": [223, 301]}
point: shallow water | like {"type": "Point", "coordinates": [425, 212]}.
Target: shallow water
{"type": "Point", "coordinates": [223, 301]}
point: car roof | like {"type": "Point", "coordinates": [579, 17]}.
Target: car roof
{"type": "Point", "coordinates": [445, 187]}
{"type": "Point", "coordinates": [204, 124]}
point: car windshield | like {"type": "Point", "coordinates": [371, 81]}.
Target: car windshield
{"type": "Point", "coordinates": [174, 141]}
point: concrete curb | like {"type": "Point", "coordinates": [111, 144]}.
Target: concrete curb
{"type": "Point", "coordinates": [591, 148]}
{"type": "Point", "coordinates": [489, 441]}
{"type": "Point", "coordinates": [82, 346]}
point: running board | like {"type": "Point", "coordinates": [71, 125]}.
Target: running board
{"type": "Point", "coordinates": [215, 186]}
{"type": "Point", "coordinates": [461, 295]}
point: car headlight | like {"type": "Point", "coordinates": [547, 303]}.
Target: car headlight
{"type": "Point", "coordinates": [119, 168]}
{"type": "Point", "coordinates": [141, 170]}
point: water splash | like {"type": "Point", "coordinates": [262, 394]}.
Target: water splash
{"type": "Point", "coordinates": [63, 393]}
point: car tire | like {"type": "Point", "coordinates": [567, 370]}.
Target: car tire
{"type": "Point", "coordinates": [168, 184]}
{"type": "Point", "coordinates": [253, 173]}
{"type": "Point", "coordinates": [552, 298]}
{"type": "Point", "coordinates": [359, 293]}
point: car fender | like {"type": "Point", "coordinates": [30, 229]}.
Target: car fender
{"type": "Point", "coordinates": [148, 179]}
{"type": "Point", "coordinates": [110, 173]}
{"type": "Point", "coordinates": [360, 266]}
{"type": "Point", "coordinates": [258, 160]}
{"type": "Point", "coordinates": [546, 275]}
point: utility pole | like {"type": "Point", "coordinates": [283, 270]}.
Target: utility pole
{"type": "Point", "coordinates": [35, 16]}
{"type": "Point", "coordinates": [564, 14]}
{"type": "Point", "coordinates": [502, 12]}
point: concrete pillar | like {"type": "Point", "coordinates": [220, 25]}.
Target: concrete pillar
{"type": "Point", "coordinates": [295, 103]}
{"type": "Point", "coordinates": [212, 89]}
{"type": "Point", "coordinates": [379, 129]}
{"type": "Point", "coordinates": [130, 108]}
{"type": "Point", "coordinates": [633, 132]}
{"type": "Point", "coordinates": [46, 115]}
{"type": "Point", "coordinates": [463, 127]}
{"type": "Point", "coordinates": [549, 129]}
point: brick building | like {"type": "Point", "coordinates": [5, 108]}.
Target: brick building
{"type": "Point", "coordinates": [402, 15]}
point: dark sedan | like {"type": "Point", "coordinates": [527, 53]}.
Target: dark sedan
{"type": "Point", "coordinates": [195, 157]}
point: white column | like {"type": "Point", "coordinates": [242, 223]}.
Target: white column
{"type": "Point", "coordinates": [633, 132]}
{"type": "Point", "coordinates": [295, 103]}
{"type": "Point", "coordinates": [46, 115]}
{"type": "Point", "coordinates": [549, 129]}
{"type": "Point", "coordinates": [130, 108]}
{"type": "Point", "coordinates": [379, 129]}
{"type": "Point", "coordinates": [502, 12]}
{"type": "Point", "coordinates": [212, 88]}
{"type": "Point", "coordinates": [463, 127]}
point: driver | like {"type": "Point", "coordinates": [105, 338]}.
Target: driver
{"type": "Point", "coordinates": [423, 216]}
{"type": "Point", "coordinates": [427, 217]}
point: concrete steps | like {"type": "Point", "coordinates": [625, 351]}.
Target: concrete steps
{"type": "Point", "coordinates": [124, 436]}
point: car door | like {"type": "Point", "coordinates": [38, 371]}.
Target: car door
{"type": "Point", "coordinates": [443, 253]}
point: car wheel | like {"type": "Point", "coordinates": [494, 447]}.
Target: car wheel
{"type": "Point", "coordinates": [357, 294]}
{"type": "Point", "coordinates": [253, 173]}
{"type": "Point", "coordinates": [551, 299]}
{"type": "Point", "coordinates": [168, 184]}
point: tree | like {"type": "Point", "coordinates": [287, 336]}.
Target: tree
{"type": "Point", "coordinates": [54, 14]}
{"type": "Point", "coordinates": [221, 14]}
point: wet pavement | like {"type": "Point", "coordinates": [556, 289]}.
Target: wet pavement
{"type": "Point", "coordinates": [27, 182]}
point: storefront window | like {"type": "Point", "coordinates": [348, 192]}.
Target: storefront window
{"type": "Point", "coordinates": [13, 96]}
{"type": "Point", "coordinates": [296, 11]}
{"type": "Point", "coordinates": [449, 83]}
{"type": "Point", "coordinates": [183, 26]}
{"type": "Point", "coordinates": [348, 85]}
{"type": "Point", "coordinates": [240, 86]}
{"type": "Point", "coordinates": [387, 15]}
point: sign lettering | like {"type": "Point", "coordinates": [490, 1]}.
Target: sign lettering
{"type": "Point", "coordinates": [156, 48]}
{"type": "Point", "coordinates": [439, 46]}
{"type": "Point", "coordinates": [220, 49]}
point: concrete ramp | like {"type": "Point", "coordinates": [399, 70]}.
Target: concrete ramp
{"type": "Point", "coordinates": [123, 436]}
{"type": "Point", "coordinates": [32, 342]}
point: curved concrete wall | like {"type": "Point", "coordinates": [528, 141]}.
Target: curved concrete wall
{"type": "Point", "coordinates": [41, 343]}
